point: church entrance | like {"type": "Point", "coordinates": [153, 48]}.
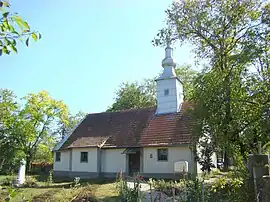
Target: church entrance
{"type": "Point", "coordinates": [133, 160]}
{"type": "Point", "coordinates": [134, 163]}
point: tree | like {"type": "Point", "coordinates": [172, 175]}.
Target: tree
{"type": "Point", "coordinates": [143, 95]}
{"type": "Point", "coordinates": [44, 151]}
{"type": "Point", "coordinates": [12, 29]}
{"type": "Point", "coordinates": [187, 75]}
{"type": "Point", "coordinates": [205, 153]}
{"type": "Point", "coordinates": [65, 127]}
{"type": "Point", "coordinates": [132, 96]}
{"type": "Point", "coordinates": [221, 32]}
{"type": "Point", "coordinates": [31, 130]}
{"type": "Point", "coordinates": [8, 109]}
{"type": "Point", "coordinates": [37, 121]}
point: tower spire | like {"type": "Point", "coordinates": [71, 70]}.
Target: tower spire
{"type": "Point", "coordinates": [168, 63]}
{"type": "Point", "coordinates": [169, 87]}
{"type": "Point", "coordinates": [168, 60]}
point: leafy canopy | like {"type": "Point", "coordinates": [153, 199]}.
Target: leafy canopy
{"type": "Point", "coordinates": [232, 95]}
{"type": "Point", "coordinates": [12, 29]}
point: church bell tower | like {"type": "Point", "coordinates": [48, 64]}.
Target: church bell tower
{"type": "Point", "coordinates": [169, 88]}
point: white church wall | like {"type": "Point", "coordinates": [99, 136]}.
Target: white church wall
{"type": "Point", "coordinates": [90, 166]}
{"type": "Point", "coordinates": [113, 161]}
{"type": "Point", "coordinates": [175, 154]}
{"type": "Point", "coordinates": [63, 164]}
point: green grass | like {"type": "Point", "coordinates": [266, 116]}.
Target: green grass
{"type": "Point", "coordinates": [2, 177]}
{"type": "Point", "coordinates": [100, 190]}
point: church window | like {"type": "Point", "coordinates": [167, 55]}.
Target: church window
{"type": "Point", "coordinates": [84, 157]}
{"type": "Point", "coordinates": [162, 154]}
{"type": "Point", "coordinates": [58, 156]}
{"type": "Point", "coordinates": [166, 91]}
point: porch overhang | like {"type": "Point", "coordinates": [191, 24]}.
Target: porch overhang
{"type": "Point", "coordinates": [131, 150]}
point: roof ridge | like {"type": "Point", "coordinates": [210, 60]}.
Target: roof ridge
{"type": "Point", "coordinates": [124, 110]}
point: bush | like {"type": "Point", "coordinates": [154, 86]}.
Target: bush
{"type": "Point", "coordinates": [8, 181]}
{"type": "Point", "coordinates": [126, 193]}
{"type": "Point", "coordinates": [184, 190]}
{"type": "Point", "coordinates": [30, 181]}
{"type": "Point", "coordinates": [229, 189]}
{"type": "Point", "coordinates": [222, 189]}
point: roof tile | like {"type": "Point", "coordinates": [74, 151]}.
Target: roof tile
{"type": "Point", "coordinates": [132, 128]}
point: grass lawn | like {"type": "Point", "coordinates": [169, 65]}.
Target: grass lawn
{"type": "Point", "coordinates": [99, 190]}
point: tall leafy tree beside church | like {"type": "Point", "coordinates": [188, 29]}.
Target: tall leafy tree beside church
{"type": "Point", "coordinates": [38, 119]}
{"type": "Point", "coordinates": [8, 118]}
{"type": "Point", "coordinates": [226, 33]}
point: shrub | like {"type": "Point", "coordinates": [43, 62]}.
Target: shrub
{"type": "Point", "coordinates": [229, 189]}
{"type": "Point", "coordinates": [11, 194]}
{"type": "Point", "coordinates": [126, 193]}
{"type": "Point", "coordinates": [216, 172]}
{"type": "Point", "coordinates": [183, 190]}
{"type": "Point", "coordinates": [30, 181]}
{"type": "Point", "coordinates": [7, 181]}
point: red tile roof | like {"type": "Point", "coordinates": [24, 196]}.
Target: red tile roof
{"type": "Point", "coordinates": [133, 128]}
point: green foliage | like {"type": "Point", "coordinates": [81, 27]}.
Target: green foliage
{"type": "Point", "coordinates": [184, 189]}
{"type": "Point", "coordinates": [8, 118]}
{"type": "Point", "coordinates": [37, 118]}
{"type": "Point", "coordinates": [132, 96]}
{"type": "Point", "coordinates": [65, 127]}
{"type": "Point", "coordinates": [28, 131]}
{"type": "Point", "coordinates": [125, 192]}
{"type": "Point", "coordinates": [187, 76]}
{"type": "Point", "coordinates": [204, 154]}
{"type": "Point", "coordinates": [231, 96]}
{"type": "Point", "coordinates": [224, 188]}
{"type": "Point", "coordinates": [266, 148]}
{"type": "Point", "coordinates": [7, 181]}
{"type": "Point", "coordinates": [229, 189]}
{"type": "Point", "coordinates": [12, 193]}
{"type": "Point", "coordinates": [44, 151]}
{"type": "Point", "coordinates": [12, 29]}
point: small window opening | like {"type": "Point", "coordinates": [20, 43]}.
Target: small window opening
{"type": "Point", "coordinates": [166, 91]}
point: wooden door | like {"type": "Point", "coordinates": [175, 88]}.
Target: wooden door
{"type": "Point", "coordinates": [134, 163]}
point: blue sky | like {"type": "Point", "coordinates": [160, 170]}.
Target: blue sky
{"type": "Point", "coordinates": [88, 48]}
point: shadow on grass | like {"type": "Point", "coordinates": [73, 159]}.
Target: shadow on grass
{"type": "Point", "coordinates": [98, 181]}
{"type": "Point", "coordinates": [110, 199]}
{"type": "Point", "coordinates": [41, 178]}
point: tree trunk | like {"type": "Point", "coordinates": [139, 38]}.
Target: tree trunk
{"type": "Point", "coordinates": [28, 163]}
{"type": "Point", "coordinates": [225, 161]}
{"type": "Point", "coordinates": [228, 117]}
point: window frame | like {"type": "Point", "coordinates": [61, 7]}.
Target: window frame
{"type": "Point", "coordinates": [57, 156]}
{"type": "Point", "coordinates": [159, 155]}
{"type": "Point", "coordinates": [83, 160]}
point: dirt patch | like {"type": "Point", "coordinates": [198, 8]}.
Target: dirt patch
{"type": "Point", "coordinates": [85, 194]}
{"type": "Point", "coordinates": [44, 196]}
